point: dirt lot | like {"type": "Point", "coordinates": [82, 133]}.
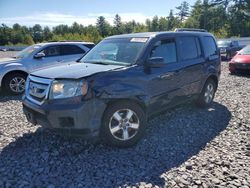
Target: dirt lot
{"type": "Point", "coordinates": [185, 147]}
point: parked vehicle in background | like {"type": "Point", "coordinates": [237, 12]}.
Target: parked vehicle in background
{"type": "Point", "coordinates": [3, 49]}
{"type": "Point", "coordinates": [13, 71]}
{"type": "Point", "coordinates": [241, 61]}
{"type": "Point", "coordinates": [122, 81]}
{"type": "Point", "coordinates": [228, 48]}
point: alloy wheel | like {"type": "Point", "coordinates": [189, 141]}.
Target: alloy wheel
{"type": "Point", "coordinates": [124, 124]}
{"type": "Point", "coordinates": [17, 84]}
{"type": "Point", "coordinates": [209, 93]}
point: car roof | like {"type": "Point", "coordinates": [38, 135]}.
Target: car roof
{"type": "Point", "coordinates": [157, 34]}
{"type": "Point", "coordinates": [69, 42]}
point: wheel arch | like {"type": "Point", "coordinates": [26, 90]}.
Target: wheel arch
{"type": "Point", "coordinates": [136, 101]}
{"type": "Point", "coordinates": [215, 79]}
{"type": "Point", "coordinates": [13, 72]}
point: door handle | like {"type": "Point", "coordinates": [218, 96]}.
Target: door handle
{"type": "Point", "coordinates": [167, 75]}
{"type": "Point", "coordinates": [60, 60]}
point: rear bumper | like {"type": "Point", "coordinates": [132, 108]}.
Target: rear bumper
{"type": "Point", "coordinates": [73, 117]}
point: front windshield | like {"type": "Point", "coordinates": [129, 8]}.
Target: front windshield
{"type": "Point", "coordinates": [245, 51]}
{"type": "Point", "coordinates": [27, 51]}
{"type": "Point", "coordinates": [223, 43]}
{"type": "Point", "coordinates": [123, 51]}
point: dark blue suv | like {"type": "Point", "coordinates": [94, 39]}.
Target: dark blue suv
{"type": "Point", "coordinates": [112, 91]}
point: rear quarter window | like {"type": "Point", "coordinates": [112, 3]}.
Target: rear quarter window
{"type": "Point", "coordinates": [210, 47]}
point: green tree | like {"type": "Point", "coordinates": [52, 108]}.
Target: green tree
{"type": "Point", "coordinates": [163, 24]}
{"type": "Point", "coordinates": [47, 34]}
{"type": "Point", "coordinates": [224, 3]}
{"type": "Point", "coordinates": [148, 24]}
{"type": "Point", "coordinates": [172, 21]}
{"type": "Point", "coordinates": [183, 11]}
{"type": "Point", "coordinates": [117, 25]}
{"type": "Point", "coordinates": [103, 26]}
{"type": "Point", "coordinates": [37, 33]}
{"type": "Point", "coordinates": [155, 24]}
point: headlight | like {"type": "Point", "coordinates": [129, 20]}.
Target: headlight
{"type": "Point", "coordinates": [68, 88]}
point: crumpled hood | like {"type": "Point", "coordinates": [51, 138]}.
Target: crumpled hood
{"type": "Point", "coordinates": [8, 60]}
{"type": "Point", "coordinates": [74, 70]}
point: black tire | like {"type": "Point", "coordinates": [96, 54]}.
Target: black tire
{"type": "Point", "coordinates": [123, 108]}
{"type": "Point", "coordinates": [203, 99]}
{"type": "Point", "coordinates": [9, 79]}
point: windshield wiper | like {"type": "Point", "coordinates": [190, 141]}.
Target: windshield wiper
{"type": "Point", "coordinates": [97, 62]}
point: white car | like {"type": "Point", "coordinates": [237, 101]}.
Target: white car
{"type": "Point", "coordinates": [13, 71]}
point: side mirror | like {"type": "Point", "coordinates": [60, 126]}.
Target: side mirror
{"type": "Point", "coordinates": [155, 62]}
{"type": "Point", "coordinates": [39, 55]}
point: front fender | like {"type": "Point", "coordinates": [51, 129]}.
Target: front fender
{"type": "Point", "coordinates": [5, 69]}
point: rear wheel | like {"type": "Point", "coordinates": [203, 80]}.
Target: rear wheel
{"type": "Point", "coordinates": [207, 95]}
{"type": "Point", "coordinates": [123, 124]}
{"type": "Point", "coordinates": [15, 83]}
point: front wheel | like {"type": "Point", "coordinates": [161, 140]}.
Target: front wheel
{"type": "Point", "coordinates": [123, 124]}
{"type": "Point", "coordinates": [15, 83]}
{"type": "Point", "coordinates": [207, 95]}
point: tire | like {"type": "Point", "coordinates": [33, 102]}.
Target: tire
{"type": "Point", "coordinates": [123, 124]}
{"type": "Point", "coordinates": [207, 95]}
{"type": "Point", "coordinates": [14, 83]}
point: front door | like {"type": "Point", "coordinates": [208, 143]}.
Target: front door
{"type": "Point", "coordinates": [52, 57]}
{"type": "Point", "coordinates": [164, 83]}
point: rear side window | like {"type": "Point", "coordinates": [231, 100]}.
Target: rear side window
{"type": "Point", "coordinates": [189, 48]}
{"type": "Point", "coordinates": [71, 49]}
{"type": "Point", "coordinates": [165, 49]}
{"type": "Point", "coordinates": [210, 46]}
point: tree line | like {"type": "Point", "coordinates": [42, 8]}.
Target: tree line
{"type": "Point", "coordinates": [223, 18]}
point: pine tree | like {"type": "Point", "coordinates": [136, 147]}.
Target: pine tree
{"type": "Point", "coordinates": [102, 26]}
{"type": "Point", "coordinates": [183, 11]}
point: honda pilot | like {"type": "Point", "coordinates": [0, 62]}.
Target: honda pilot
{"type": "Point", "coordinates": [114, 89]}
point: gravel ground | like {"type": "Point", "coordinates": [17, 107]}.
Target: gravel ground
{"type": "Point", "coordinates": [184, 147]}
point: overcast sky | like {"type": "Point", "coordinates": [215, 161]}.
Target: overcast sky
{"type": "Point", "coordinates": [55, 12]}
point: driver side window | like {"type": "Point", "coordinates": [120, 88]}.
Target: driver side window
{"type": "Point", "coordinates": [51, 51]}
{"type": "Point", "coordinates": [165, 49]}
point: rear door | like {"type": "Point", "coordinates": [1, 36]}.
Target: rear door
{"type": "Point", "coordinates": [70, 52]}
{"type": "Point", "coordinates": [192, 62]}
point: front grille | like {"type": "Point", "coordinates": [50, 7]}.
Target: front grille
{"type": "Point", "coordinates": [37, 89]}
{"type": "Point", "coordinates": [242, 65]}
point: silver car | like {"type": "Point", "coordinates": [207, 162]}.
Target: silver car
{"type": "Point", "coordinates": [13, 71]}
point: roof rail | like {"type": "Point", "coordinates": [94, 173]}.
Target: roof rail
{"type": "Point", "coordinates": [190, 29]}
{"type": "Point", "coordinates": [70, 41]}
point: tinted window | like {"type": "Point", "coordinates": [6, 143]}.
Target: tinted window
{"type": "Point", "coordinates": [189, 48]}
{"type": "Point", "coordinates": [90, 46]}
{"type": "Point", "coordinates": [210, 46]}
{"type": "Point", "coordinates": [51, 51]}
{"type": "Point", "coordinates": [165, 49]}
{"type": "Point", "coordinates": [71, 49]}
